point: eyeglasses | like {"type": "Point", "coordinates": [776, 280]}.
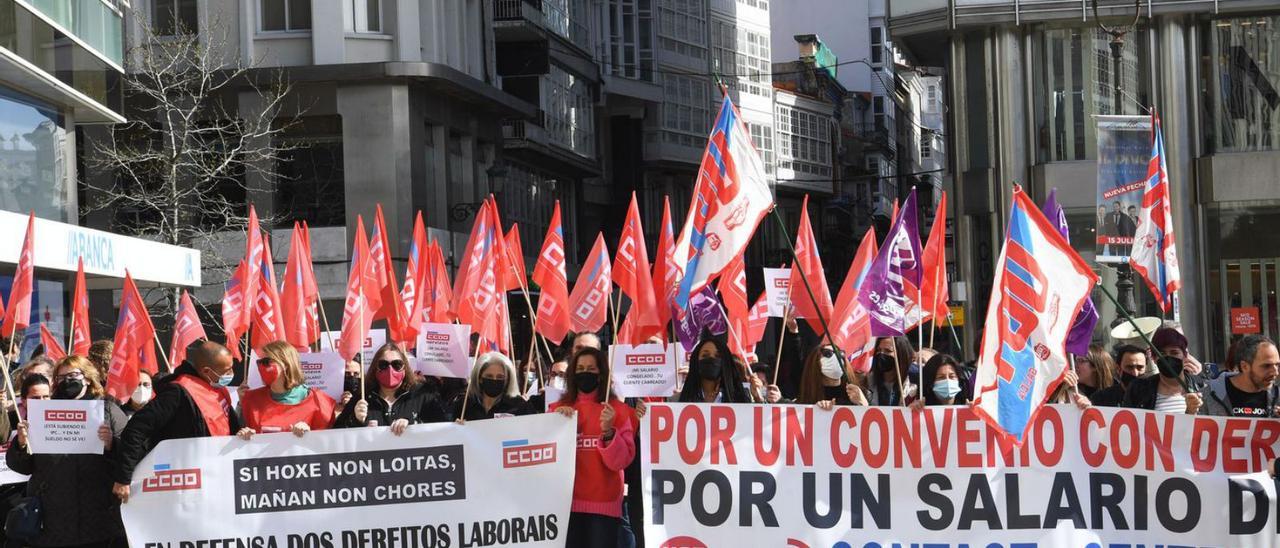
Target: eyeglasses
{"type": "Point", "coordinates": [266, 362]}
{"type": "Point", "coordinates": [74, 374]}
{"type": "Point", "coordinates": [398, 365]}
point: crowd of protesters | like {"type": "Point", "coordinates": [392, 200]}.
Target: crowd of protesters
{"type": "Point", "coordinates": [79, 496]}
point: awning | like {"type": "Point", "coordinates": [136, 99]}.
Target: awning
{"type": "Point", "coordinates": [59, 246]}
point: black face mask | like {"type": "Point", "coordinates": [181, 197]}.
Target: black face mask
{"type": "Point", "coordinates": [709, 368]}
{"type": "Point", "coordinates": [351, 384]}
{"type": "Point", "coordinates": [1126, 378]}
{"type": "Point", "coordinates": [884, 363]}
{"type": "Point", "coordinates": [833, 392]}
{"type": "Point", "coordinates": [493, 387]}
{"type": "Point", "coordinates": [1169, 366]}
{"type": "Point", "coordinates": [586, 381]}
{"type": "Point", "coordinates": [69, 389]}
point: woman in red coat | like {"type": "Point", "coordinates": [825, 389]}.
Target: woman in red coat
{"type": "Point", "coordinates": [606, 445]}
{"type": "Point", "coordinates": [285, 403]}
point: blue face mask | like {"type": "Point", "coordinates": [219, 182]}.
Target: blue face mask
{"type": "Point", "coordinates": [225, 380]}
{"type": "Point", "coordinates": [946, 389]}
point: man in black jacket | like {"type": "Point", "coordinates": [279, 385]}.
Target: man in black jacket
{"type": "Point", "coordinates": [191, 403]}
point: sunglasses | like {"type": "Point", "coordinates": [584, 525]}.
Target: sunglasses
{"type": "Point", "coordinates": [266, 362]}
{"type": "Point", "coordinates": [398, 365]}
{"type": "Point", "coordinates": [827, 352]}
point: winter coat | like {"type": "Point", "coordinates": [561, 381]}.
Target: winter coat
{"type": "Point", "coordinates": [419, 405]}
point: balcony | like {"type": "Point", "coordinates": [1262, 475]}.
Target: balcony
{"type": "Point", "coordinates": [93, 22]}
{"type": "Point", "coordinates": [524, 20]}
{"type": "Point", "coordinates": [551, 143]}
{"type": "Point", "coordinates": [873, 136]}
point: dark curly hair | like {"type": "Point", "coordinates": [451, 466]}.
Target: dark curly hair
{"type": "Point", "coordinates": [731, 375]}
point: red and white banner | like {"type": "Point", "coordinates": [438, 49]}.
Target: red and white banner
{"type": "Point", "coordinates": [644, 370]}
{"type": "Point", "coordinates": [777, 475]}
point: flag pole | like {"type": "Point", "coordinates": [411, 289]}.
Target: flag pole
{"type": "Point", "coordinates": [933, 309]}
{"type": "Point", "coordinates": [803, 278]}
{"type": "Point", "coordinates": [8, 380]}
{"type": "Point", "coordinates": [1155, 352]}
{"type": "Point", "coordinates": [156, 336]}
{"type": "Point", "coordinates": [533, 326]}
{"type": "Point", "coordinates": [959, 347]}
{"type": "Point", "coordinates": [919, 338]}
{"type": "Point", "coordinates": [897, 371]}
{"type": "Point", "coordinates": [782, 337]}
{"type": "Point", "coordinates": [328, 332]}
{"type": "Point", "coordinates": [360, 348]}
{"type": "Point", "coordinates": [733, 336]}
{"type": "Point", "coordinates": [71, 333]}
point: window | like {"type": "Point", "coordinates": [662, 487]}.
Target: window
{"type": "Point", "coordinates": [1241, 88]}
{"type": "Point", "coordinates": [685, 111]}
{"type": "Point", "coordinates": [743, 53]}
{"type": "Point", "coordinates": [631, 39]}
{"type": "Point", "coordinates": [33, 157]}
{"type": "Point", "coordinates": [804, 141]}
{"type": "Point", "coordinates": [311, 182]}
{"type": "Point", "coordinates": [932, 96]}
{"type": "Point", "coordinates": [285, 15]}
{"type": "Point", "coordinates": [569, 113]}
{"type": "Point", "coordinates": [363, 16]}
{"type": "Point", "coordinates": [173, 17]}
{"type": "Point", "coordinates": [762, 4]}
{"type": "Point", "coordinates": [681, 27]}
{"type": "Point", "coordinates": [926, 145]}
{"type": "Point", "coordinates": [877, 45]}
{"type": "Point", "coordinates": [877, 110]}
{"type": "Point", "coordinates": [762, 139]}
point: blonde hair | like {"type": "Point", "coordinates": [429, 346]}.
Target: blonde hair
{"type": "Point", "coordinates": [284, 354]}
{"type": "Point", "coordinates": [92, 381]}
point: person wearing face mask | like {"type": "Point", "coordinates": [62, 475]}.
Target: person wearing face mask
{"type": "Point", "coordinates": [714, 376]}
{"type": "Point", "coordinates": [393, 395]}
{"type": "Point", "coordinates": [824, 383]}
{"type": "Point", "coordinates": [492, 391]}
{"type": "Point", "coordinates": [141, 395]}
{"type": "Point", "coordinates": [883, 381]}
{"type": "Point", "coordinates": [606, 444]}
{"type": "Point", "coordinates": [78, 508]}
{"type": "Point", "coordinates": [1171, 390]}
{"type": "Point", "coordinates": [350, 383]}
{"type": "Point", "coordinates": [944, 383]}
{"type": "Point", "coordinates": [284, 403]}
{"type": "Point", "coordinates": [1131, 363]}
{"type": "Point", "coordinates": [190, 403]}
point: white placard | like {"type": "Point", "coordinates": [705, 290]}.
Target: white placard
{"type": "Point", "coordinates": [442, 350]}
{"type": "Point", "coordinates": [551, 395]}
{"type": "Point", "coordinates": [8, 476]}
{"type": "Point", "coordinates": [377, 337]}
{"type": "Point", "coordinates": [323, 371]}
{"type": "Point", "coordinates": [776, 282]}
{"type": "Point", "coordinates": [65, 426]}
{"type": "Point", "coordinates": [644, 370]}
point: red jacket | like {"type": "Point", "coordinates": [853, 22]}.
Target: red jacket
{"type": "Point", "coordinates": [265, 415]}
{"type": "Point", "coordinates": [598, 481]}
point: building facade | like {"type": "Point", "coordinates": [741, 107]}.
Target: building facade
{"type": "Point", "coordinates": [1025, 84]}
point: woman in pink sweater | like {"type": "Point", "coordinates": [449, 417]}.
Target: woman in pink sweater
{"type": "Point", "coordinates": [606, 445]}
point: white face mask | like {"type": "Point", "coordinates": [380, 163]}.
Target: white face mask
{"type": "Point", "coordinates": [557, 383]}
{"type": "Point", "coordinates": [831, 368]}
{"type": "Point", "coordinates": [141, 395]}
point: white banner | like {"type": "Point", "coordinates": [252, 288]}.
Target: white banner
{"type": "Point", "coordinates": [65, 426]}
{"type": "Point", "coordinates": [442, 350]}
{"type": "Point", "coordinates": [377, 337]}
{"type": "Point", "coordinates": [776, 282]}
{"type": "Point", "coordinates": [8, 476]}
{"type": "Point", "coordinates": [323, 370]}
{"type": "Point", "coordinates": [644, 370]}
{"type": "Point", "coordinates": [781, 475]}
{"type": "Point", "coordinates": [486, 483]}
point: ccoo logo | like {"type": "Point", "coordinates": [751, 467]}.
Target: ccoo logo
{"type": "Point", "coordinates": [173, 480]}
{"type": "Point", "coordinates": [65, 415]}
{"type": "Point", "coordinates": [519, 453]}
{"type": "Point", "coordinates": [645, 359]}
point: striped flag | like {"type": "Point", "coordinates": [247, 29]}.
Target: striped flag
{"type": "Point", "coordinates": [1154, 255]}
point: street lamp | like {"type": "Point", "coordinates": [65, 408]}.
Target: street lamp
{"type": "Point", "coordinates": [1124, 273]}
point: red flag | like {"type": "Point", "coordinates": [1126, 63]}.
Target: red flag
{"type": "Point", "coordinates": [386, 299]}
{"type": "Point", "coordinates": [553, 312]}
{"type": "Point", "coordinates": [357, 315]}
{"type": "Point", "coordinates": [438, 305]}
{"type": "Point", "coordinates": [500, 319]}
{"type": "Point", "coordinates": [934, 293]}
{"type": "Point", "coordinates": [18, 315]}
{"type": "Point", "coordinates": [186, 329]}
{"type": "Point", "coordinates": [134, 343]}
{"type": "Point", "coordinates": [631, 273]}
{"type": "Point", "coordinates": [514, 274]}
{"type": "Point", "coordinates": [733, 289]}
{"type": "Point", "coordinates": [757, 320]}
{"type": "Point", "coordinates": [52, 348]}
{"type": "Point", "coordinates": [413, 296]}
{"type": "Point", "coordinates": [235, 315]}
{"type": "Point", "coordinates": [589, 302]}
{"type": "Point", "coordinates": [254, 250]}
{"type": "Point", "coordinates": [666, 273]}
{"type": "Point", "coordinates": [295, 309]}
{"type": "Point", "coordinates": [80, 337]}
{"type": "Point", "coordinates": [310, 289]}
{"type": "Point", "coordinates": [267, 324]}
{"type": "Point", "coordinates": [476, 289]}
{"type": "Point", "coordinates": [810, 307]}
{"type": "Point", "coordinates": [851, 326]}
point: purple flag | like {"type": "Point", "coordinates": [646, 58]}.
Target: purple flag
{"type": "Point", "coordinates": [704, 312]}
{"type": "Point", "coordinates": [1081, 333]}
{"type": "Point", "coordinates": [897, 266]}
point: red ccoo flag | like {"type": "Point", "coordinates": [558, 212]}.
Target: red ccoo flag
{"type": "Point", "coordinates": [52, 348]}
{"type": "Point", "coordinates": [413, 296]}
{"type": "Point", "coordinates": [18, 315]}
{"type": "Point", "coordinates": [80, 337]}
{"type": "Point", "coordinates": [267, 324]}
{"type": "Point", "coordinates": [513, 273]}
{"type": "Point", "coordinates": [235, 317]}
{"type": "Point", "coordinates": [186, 329]}
{"type": "Point", "coordinates": [757, 320]}
{"type": "Point", "coordinates": [933, 290]}
{"type": "Point", "coordinates": [815, 307]}
{"type": "Point", "coordinates": [295, 308]}
{"type": "Point", "coordinates": [851, 326]}
{"type": "Point", "coordinates": [357, 314]}
{"type": "Point", "coordinates": [631, 273]}
{"type": "Point", "coordinates": [310, 289]}
{"type": "Point", "coordinates": [386, 299]}
{"type": "Point", "coordinates": [254, 250]}
{"type": "Point", "coordinates": [589, 302]}
{"type": "Point", "coordinates": [134, 343]}
{"type": "Point", "coordinates": [476, 289]}
{"type": "Point", "coordinates": [438, 306]}
{"type": "Point", "coordinates": [666, 273]}
{"type": "Point", "coordinates": [553, 303]}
